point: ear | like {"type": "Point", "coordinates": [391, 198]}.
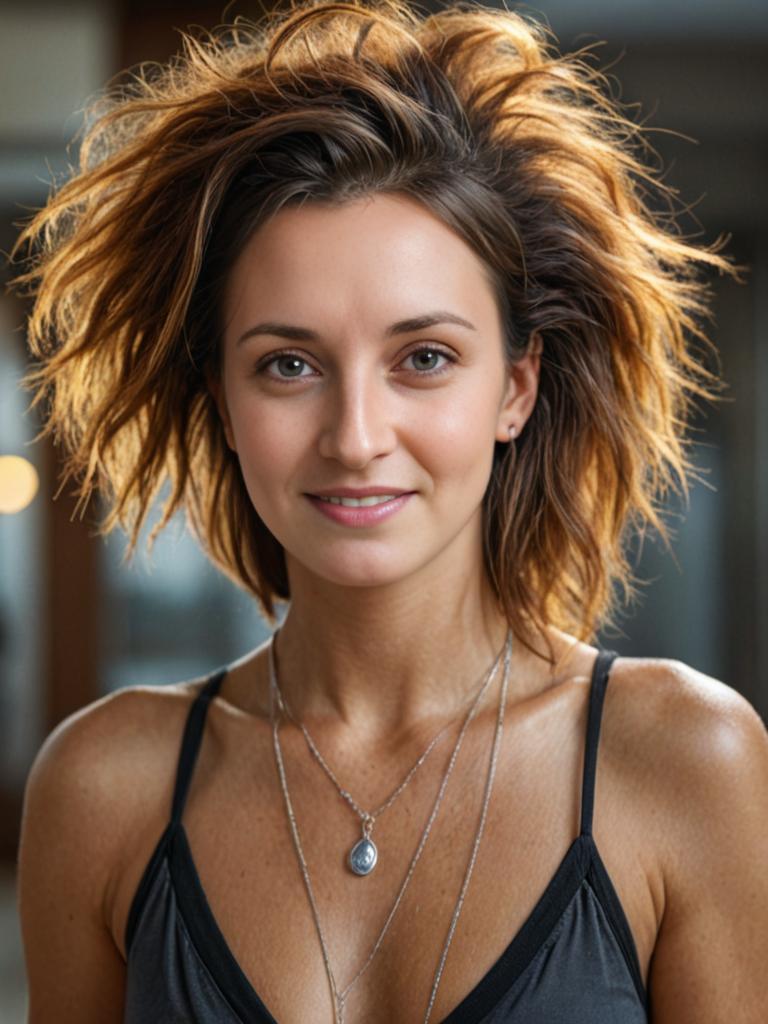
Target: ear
{"type": "Point", "coordinates": [216, 388]}
{"type": "Point", "coordinates": [519, 397]}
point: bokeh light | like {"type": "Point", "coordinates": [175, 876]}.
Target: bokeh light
{"type": "Point", "coordinates": [19, 483]}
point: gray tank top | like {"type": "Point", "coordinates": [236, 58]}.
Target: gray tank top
{"type": "Point", "coordinates": [574, 959]}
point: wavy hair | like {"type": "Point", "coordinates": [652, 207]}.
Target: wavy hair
{"type": "Point", "coordinates": [473, 112]}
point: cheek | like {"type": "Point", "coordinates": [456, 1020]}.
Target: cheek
{"type": "Point", "coordinates": [457, 438]}
{"type": "Point", "coordinates": [266, 439]}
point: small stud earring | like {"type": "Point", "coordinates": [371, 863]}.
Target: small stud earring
{"type": "Point", "coordinates": [512, 431]}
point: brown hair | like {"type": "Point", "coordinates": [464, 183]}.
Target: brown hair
{"type": "Point", "coordinates": [472, 112]}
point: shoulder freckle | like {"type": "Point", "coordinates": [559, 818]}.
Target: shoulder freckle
{"type": "Point", "coordinates": [102, 756]}
{"type": "Point", "coordinates": [670, 691]}
{"type": "Point", "coordinates": [696, 740]}
{"type": "Point", "coordinates": [661, 715]}
{"type": "Point", "coordinates": [711, 718]}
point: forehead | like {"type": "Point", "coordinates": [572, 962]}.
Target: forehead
{"type": "Point", "coordinates": [383, 256]}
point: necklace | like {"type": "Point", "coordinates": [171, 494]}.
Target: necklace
{"type": "Point", "coordinates": [363, 855]}
{"type": "Point", "coordinates": [339, 999]}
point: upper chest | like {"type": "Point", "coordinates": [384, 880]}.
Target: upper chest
{"type": "Point", "coordinates": [238, 821]}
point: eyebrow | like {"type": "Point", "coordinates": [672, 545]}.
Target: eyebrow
{"type": "Point", "coordinates": [414, 323]}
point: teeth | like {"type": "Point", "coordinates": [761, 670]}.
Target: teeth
{"type": "Point", "coordinates": [374, 499]}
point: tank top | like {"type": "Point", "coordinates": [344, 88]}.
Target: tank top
{"type": "Point", "coordinates": [573, 960]}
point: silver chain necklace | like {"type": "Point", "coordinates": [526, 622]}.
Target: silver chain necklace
{"type": "Point", "coordinates": [363, 855]}
{"type": "Point", "coordinates": [339, 999]}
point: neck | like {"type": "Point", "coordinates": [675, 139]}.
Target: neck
{"type": "Point", "coordinates": [382, 665]}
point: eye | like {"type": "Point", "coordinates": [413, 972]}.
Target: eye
{"type": "Point", "coordinates": [288, 361]}
{"type": "Point", "coordinates": [432, 352]}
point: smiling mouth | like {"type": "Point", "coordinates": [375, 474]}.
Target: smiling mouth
{"type": "Point", "coordinates": [373, 499]}
{"type": "Point", "coordinates": [366, 510]}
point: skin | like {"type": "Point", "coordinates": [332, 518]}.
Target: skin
{"type": "Point", "coordinates": [682, 791]}
{"type": "Point", "coordinates": [361, 415]}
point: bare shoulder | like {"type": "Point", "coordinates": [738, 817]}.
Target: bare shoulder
{"type": "Point", "coordinates": [99, 765]}
{"type": "Point", "coordinates": [104, 770]}
{"type": "Point", "coordinates": [695, 753]}
{"type": "Point", "coordinates": [695, 740]}
{"type": "Point", "coordinates": [100, 778]}
{"type": "Point", "coordinates": [106, 751]}
{"type": "Point", "coordinates": [682, 718]}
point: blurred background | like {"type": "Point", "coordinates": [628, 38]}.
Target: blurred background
{"type": "Point", "coordinates": [75, 623]}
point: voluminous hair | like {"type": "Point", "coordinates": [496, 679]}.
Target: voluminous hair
{"type": "Point", "coordinates": [474, 113]}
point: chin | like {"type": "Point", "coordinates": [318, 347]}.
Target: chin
{"type": "Point", "coordinates": [381, 570]}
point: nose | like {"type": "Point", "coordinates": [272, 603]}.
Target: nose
{"type": "Point", "coordinates": [358, 421]}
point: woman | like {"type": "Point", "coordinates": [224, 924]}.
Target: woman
{"type": "Point", "coordinates": [379, 296]}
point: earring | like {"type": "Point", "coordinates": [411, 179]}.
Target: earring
{"type": "Point", "coordinates": [512, 432]}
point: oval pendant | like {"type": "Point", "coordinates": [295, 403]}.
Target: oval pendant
{"type": "Point", "coordinates": [362, 857]}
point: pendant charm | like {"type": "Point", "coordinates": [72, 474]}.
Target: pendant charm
{"type": "Point", "coordinates": [362, 857]}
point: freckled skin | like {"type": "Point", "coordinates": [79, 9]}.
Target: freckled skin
{"type": "Point", "coordinates": [363, 412]}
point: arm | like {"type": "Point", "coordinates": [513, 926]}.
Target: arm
{"type": "Point", "coordinates": [67, 856]}
{"type": "Point", "coordinates": [710, 962]}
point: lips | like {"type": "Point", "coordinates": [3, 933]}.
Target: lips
{"type": "Point", "coordinates": [364, 515]}
{"type": "Point", "coordinates": [368, 502]}
{"type": "Point", "coordinates": [358, 492]}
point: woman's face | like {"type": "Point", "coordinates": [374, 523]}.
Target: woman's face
{"type": "Point", "coordinates": [321, 390]}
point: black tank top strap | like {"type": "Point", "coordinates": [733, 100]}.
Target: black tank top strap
{"type": "Point", "coordinates": [190, 744]}
{"type": "Point", "coordinates": [599, 682]}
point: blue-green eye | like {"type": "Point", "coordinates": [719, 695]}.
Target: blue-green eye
{"type": "Point", "coordinates": [286, 361]}
{"type": "Point", "coordinates": [432, 353]}
{"type": "Point", "coordinates": [290, 364]}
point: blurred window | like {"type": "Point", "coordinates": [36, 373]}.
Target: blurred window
{"type": "Point", "coordinates": [21, 581]}
{"type": "Point", "coordinates": [171, 616]}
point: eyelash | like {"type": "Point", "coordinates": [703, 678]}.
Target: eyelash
{"type": "Point", "coordinates": [274, 356]}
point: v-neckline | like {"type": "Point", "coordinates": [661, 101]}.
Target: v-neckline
{"type": "Point", "coordinates": [213, 949]}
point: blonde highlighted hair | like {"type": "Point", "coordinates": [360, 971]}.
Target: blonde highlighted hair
{"type": "Point", "coordinates": [474, 113]}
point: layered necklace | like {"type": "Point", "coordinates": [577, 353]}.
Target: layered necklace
{"type": "Point", "coordinates": [363, 856]}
